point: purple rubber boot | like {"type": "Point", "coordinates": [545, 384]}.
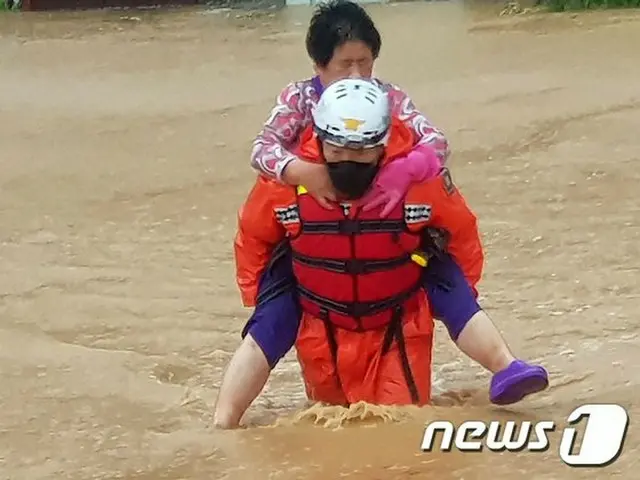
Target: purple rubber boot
{"type": "Point", "coordinates": [517, 381]}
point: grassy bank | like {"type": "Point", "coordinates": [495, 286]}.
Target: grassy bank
{"type": "Point", "coordinates": [565, 5]}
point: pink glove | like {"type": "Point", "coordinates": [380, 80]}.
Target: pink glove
{"type": "Point", "coordinates": [395, 178]}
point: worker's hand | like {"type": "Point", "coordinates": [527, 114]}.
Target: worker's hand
{"type": "Point", "coordinates": [395, 178]}
{"type": "Point", "coordinates": [314, 177]}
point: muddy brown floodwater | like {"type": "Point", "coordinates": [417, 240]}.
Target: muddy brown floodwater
{"type": "Point", "coordinates": [124, 142]}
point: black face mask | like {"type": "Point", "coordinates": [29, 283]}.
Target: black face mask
{"type": "Point", "coordinates": [353, 179]}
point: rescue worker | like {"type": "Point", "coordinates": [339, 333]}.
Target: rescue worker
{"type": "Point", "coordinates": [342, 40]}
{"type": "Point", "coordinates": [366, 321]}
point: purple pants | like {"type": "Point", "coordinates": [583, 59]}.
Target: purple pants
{"type": "Point", "coordinates": [276, 318]}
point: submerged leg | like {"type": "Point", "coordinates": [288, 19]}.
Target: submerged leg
{"type": "Point", "coordinates": [244, 379]}
{"type": "Point", "coordinates": [268, 335]}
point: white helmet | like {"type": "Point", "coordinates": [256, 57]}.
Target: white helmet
{"type": "Point", "coordinates": [353, 113]}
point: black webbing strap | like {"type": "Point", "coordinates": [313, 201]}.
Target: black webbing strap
{"type": "Point", "coordinates": [352, 266]}
{"type": "Point", "coordinates": [350, 226]}
{"type": "Point", "coordinates": [358, 309]}
{"type": "Point", "coordinates": [394, 332]}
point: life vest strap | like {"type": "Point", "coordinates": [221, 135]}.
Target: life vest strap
{"type": "Point", "coordinates": [353, 266]}
{"type": "Point", "coordinates": [349, 226]}
{"type": "Point", "coordinates": [358, 310]}
{"type": "Point", "coordinates": [395, 332]}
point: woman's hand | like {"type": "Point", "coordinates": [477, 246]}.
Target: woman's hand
{"type": "Point", "coordinates": [396, 177]}
{"type": "Point", "coordinates": [314, 177]}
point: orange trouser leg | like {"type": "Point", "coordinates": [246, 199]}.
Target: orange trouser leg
{"type": "Point", "coordinates": [365, 371]}
{"type": "Point", "coordinates": [317, 364]}
{"type": "Point", "coordinates": [383, 377]}
{"type": "Point", "coordinates": [391, 377]}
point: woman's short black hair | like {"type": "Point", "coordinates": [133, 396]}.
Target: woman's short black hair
{"type": "Point", "coordinates": [336, 22]}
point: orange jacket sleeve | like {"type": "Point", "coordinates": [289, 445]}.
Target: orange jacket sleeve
{"type": "Point", "coordinates": [450, 211]}
{"type": "Point", "coordinates": [257, 235]}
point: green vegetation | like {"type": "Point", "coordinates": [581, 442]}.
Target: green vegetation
{"type": "Point", "coordinates": [9, 5]}
{"type": "Point", "coordinates": [566, 5]}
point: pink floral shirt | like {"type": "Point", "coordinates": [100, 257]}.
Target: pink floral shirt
{"type": "Point", "coordinates": [292, 114]}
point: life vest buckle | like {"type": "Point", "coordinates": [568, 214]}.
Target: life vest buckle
{"type": "Point", "coordinates": [349, 227]}
{"type": "Point", "coordinates": [359, 310]}
{"type": "Point", "coordinates": [355, 267]}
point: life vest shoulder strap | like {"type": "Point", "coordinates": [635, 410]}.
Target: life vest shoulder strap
{"type": "Point", "coordinates": [348, 226]}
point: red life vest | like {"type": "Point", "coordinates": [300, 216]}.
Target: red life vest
{"type": "Point", "coordinates": [354, 271]}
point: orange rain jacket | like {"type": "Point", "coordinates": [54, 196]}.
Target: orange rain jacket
{"type": "Point", "coordinates": [341, 366]}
